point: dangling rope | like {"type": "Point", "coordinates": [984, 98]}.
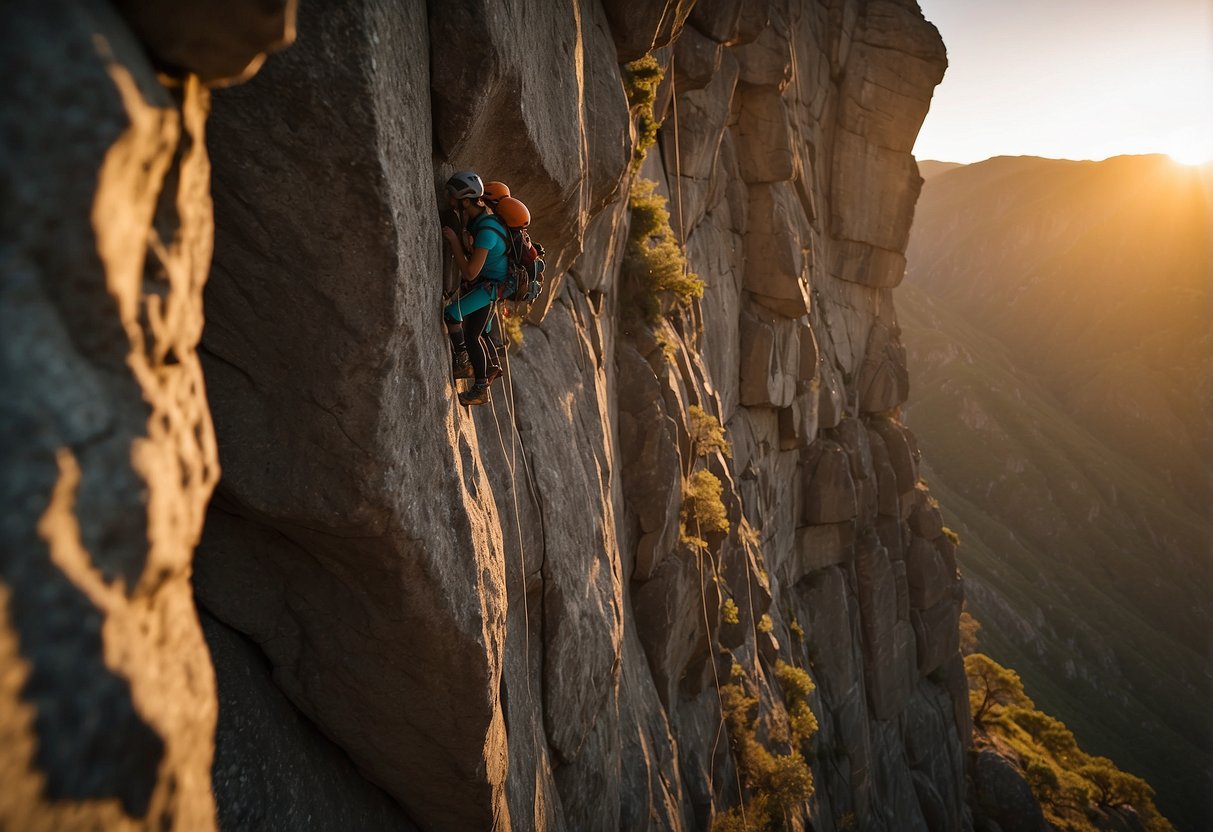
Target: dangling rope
{"type": "Point", "coordinates": [682, 229]}
{"type": "Point", "coordinates": [703, 601]}
{"type": "Point", "coordinates": [511, 460]}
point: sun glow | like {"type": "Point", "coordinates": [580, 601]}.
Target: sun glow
{"type": "Point", "coordinates": [1141, 83]}
{"type": "Point", "coordinates": [1192, 156]}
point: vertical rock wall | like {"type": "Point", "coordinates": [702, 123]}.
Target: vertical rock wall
{"type": "Point", "coordinates": [491, 611]}
{"type": "Point", "coordinates": [107, 702]}
{"type": "Point", "coordinates": [427, 617]}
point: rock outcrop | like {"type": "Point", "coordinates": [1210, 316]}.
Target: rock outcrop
{"type": "Point", "coordinates": [492, 619]}
{"type": "Point", "coordinates": [107, 696]}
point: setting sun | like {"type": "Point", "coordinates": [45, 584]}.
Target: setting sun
{"type": "Point", "coordinates": [1192, 155]}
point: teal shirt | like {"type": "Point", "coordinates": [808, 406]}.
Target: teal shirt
{"type": "Point", "coordinates": [486, 228]}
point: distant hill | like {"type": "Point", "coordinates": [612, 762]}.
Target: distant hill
{"type": "Point", "coordinates": [929, 168]}
{"type": "Point", "coordinates": [1059, 319]}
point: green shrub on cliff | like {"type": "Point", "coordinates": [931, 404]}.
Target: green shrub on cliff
{"type": "Point", "coordinates": [992, 687]}
{"type": "Point", "coordinates": [797, 687]}
{"type": "Point", "coordinates": [641, 78]}
{"type": "Point", "coordinates": [702, 509]}
{"type": "Point", "coordinates": [777, 783]}
{"type": "Point", "coordinates": [707, 434]}
{"type": "Point", "coordinates": [654, 262]}
{"type": "Point", "coordinates": [1076, 790]}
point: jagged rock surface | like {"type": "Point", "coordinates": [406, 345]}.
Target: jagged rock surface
{"type": "Point", "coordinates": [536, 542]}
{"type": "Point", "coordinates": [107, 702]}
{"type": "Point", "coordinates": [491, 617]}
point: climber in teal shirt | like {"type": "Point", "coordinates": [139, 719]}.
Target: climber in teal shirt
{"type": "Point", "coordinates": [484, 272]}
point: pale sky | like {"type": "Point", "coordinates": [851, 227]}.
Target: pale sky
{"type": "Point", "coordinates": [1072, 79]}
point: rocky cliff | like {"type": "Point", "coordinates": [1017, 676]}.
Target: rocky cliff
{"type": "Point", "coordinates": [426, 617]}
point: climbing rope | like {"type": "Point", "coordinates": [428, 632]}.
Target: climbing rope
{"type": "Point", "coordinates": [703, 601]}
{"type": "Point", "coordinates": [682, 229]}
{"type": "Point", "coordinates": [511, 460]}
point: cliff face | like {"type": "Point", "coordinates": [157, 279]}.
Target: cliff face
{"type": "Point", "coordinates": [107, 703]}
{"type": "Point", "coordinates": [489, 618]}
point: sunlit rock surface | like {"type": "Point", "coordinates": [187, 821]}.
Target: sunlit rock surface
{"type": "Point", "coordinates": [107, 701]}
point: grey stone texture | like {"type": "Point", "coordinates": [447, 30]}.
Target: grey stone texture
{"type": "Point", "coordinates": [107, 453]}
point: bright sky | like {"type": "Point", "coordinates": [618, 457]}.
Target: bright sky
{"type": "Point", "coordinates": [1072, 79]}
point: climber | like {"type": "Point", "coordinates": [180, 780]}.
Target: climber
{"type": "Point", "coordinates": [485, 275]}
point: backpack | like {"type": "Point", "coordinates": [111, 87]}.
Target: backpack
{"type": "Point", "coordinates": [524, 262]}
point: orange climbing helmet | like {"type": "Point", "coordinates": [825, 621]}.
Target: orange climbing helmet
{"type": "Point", "coordinates": [494, 192]}
{"type": "Point", "coordinates": [513, 213]}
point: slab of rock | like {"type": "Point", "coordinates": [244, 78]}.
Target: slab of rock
{"type": "Point", "coordinates": [770, 355]}
{"type": "Point", "coordinates": [893, 536]}
{"type": "Point", "coordinates": [1003, 796]}
{"type": "Point", "coordinates": [640, 27]}
{"type": "Point", "coordinates": [696, 59]}
{"type": "Point", "coordinates": [651, 794]}
{"type": "Point", "coordinates": [951, 676]}
{"type": "Point", "coordinates": [273, 769]}
{"type": "Point", "coordinates": [831, 408]}
{"type": "Point", "coordinates": [901, 581]}
{"type": "Point", "coordinates": [764, 149]}
{"type": "Point", "coordinates": [886, 477]}
{"type": "Point", "coordinates": [798, 422]}
{"type": "Point", "coordinates": [853, 437]}
{"type": "Point", "coordinates": [901, 458]}
{"type": "Point", "coordinates": [830, 613]}
{"type": "Point", "coordinates": [818, 547]}
{"type": "Point", "coordinates": [582, 568]}
{"type": "Point", "coordinates": [866, 264]}
{"type": "Point", "coordinates": [947, 550]}
{"type": "Point", "coordinates": [669, 620]}
{"type": "Point", "coordinates": [829, 491]}
{"type": "Point", "coordinates": [767, 60]}
{"type": "Point", "coordinates": [884, 381]}
{"type": "Point", "coordinates": [652, 466]}
{"type": "Point", "coordinates": [703, 115]}
{"type": "Point", "coordinates": [220, 42]}
{"type": "Point", "coordinates": [326, 412]}
{"type": "Point", "coordinates": [937, 633]}
{"type": "Point", "coordinates": [930, 580]}
{"type": "Point", "coordinates": [107, 455]}
{"type": "Point", "coordinates": [730, 21]}
{"type": "Point", "coordinates": [926, 520]}
{"type": "Point", "coordinates": [776, 270]}
{"type": "Point", "coordinates": [894, 66]}
{"type": "Point", "coordinates": [713, 242]}
{"type": "Point", "coordinates": [858, 166]}
{"type": "Point", "coordinates": [888, 643]}
{"type": "Point", "coordinates": [938, 768]}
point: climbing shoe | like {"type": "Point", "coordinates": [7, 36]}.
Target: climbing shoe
{"type": "Point", "coordinates": [478, 393]}
{"type": "Point", "coordinates": [494, 374]}
{"type": "Point", "coordinates": [463, 365]}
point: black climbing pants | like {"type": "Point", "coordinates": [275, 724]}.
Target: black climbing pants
{"type": "Point", "coordinates": [480, 349]}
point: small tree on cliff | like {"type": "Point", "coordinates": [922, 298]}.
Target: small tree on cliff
{"type": "Point", "coordinates": [991, 685]}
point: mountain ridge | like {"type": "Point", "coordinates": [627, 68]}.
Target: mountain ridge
{"type": "Point", "coordinates": [1084, 540]}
